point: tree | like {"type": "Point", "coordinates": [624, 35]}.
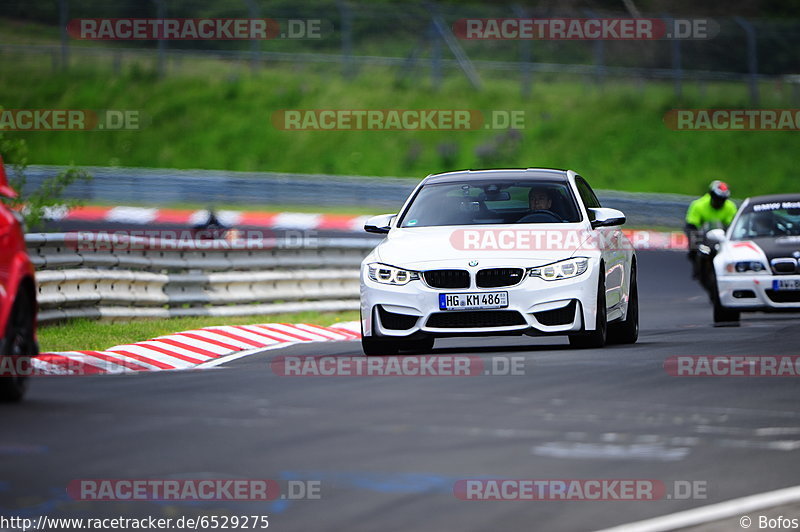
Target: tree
{"type": "Point", "coordinates": [35, 204]}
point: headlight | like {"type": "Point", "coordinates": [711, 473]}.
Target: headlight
{"type": "Point", "coordinates": [564, 269]}
{"type": "Point", "coordinates": [746, 266]}
{"type": "Point", "coordinates": [385, 274]}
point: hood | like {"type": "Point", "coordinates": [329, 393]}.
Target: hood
{"type": "Point", "coordinates": [780, 247]}
{"type": "Point", "coordinates": [490, 245]}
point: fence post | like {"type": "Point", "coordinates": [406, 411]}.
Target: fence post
{"type": "Point", "coordinates": [525, 56]}
{"type": "Point", "coordinates": [752, 57]}
{"type": "Point", "coordinates": [599, 52]}
{"type": "Point", "coordinates": [161, 13]}
{"type": "Point", "coordinates": [346, 15]}
{"type": "Point", "coordinates": [254, 44]}
{"type": "Point", "coordinates": [677, 68]}
{"type": "Point", "coordinates": [63, 18]}
{"type": "Point", "coordinates": [450, 40]}
{"type": "Point", "coordinates": [436, 56]}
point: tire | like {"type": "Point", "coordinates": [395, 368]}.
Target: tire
{"type": "Point", "coordinates": [18, 343]}
{"type": "Point", "coordinates": [723, 316]}
{"type": "Point", "coordinates": [597, 337]}
{"type": "Point", "coordinates": [627, 332]}
{"type": "Point", "coordinates": [374, 347]}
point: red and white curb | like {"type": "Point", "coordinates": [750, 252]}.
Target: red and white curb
{"type": "Point", "coordinates": [272, 220]}
{"type": "Point", "coordinates": [198, 348]}
{"type": "Point", "coordinates": [641, 239]}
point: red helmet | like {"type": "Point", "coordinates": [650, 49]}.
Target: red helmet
{"type": "Point", "coordinates": [5, 189]}
{"type": "Point", "coordinates": [719, 189]}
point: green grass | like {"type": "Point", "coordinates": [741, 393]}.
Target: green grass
{"type": "Point", "coordinates": [87, 335]}
{"type": "Point", "coordinates": [216, 115]}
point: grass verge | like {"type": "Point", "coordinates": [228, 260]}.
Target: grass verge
{"type": "Point", "coordinates": [614, 133]}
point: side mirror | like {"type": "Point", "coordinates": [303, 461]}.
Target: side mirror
{"type": "Point", "coordinates": [604, 217]}
{"type": "Point", "coordinates": [716, 236]}
{"type": "Point", "coordinates": [379, 224]}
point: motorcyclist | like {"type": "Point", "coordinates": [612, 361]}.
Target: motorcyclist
{"type": "Point", "coordinates": [714, 209]}
{"type": "Point", "coordinates": [211, 229]}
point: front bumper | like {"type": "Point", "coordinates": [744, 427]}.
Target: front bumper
{"type": "Point", "coordinates": [755, 292]}
{"type": "Point", "coordinates": [542, 307]}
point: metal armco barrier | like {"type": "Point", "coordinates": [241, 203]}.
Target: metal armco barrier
{"type": "Point", "coordinates": [81, 275]}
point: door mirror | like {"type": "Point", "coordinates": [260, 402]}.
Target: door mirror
{"type": "Point", "coordinates": [716, 236]}
{"type": "Point", "coordinates": [606, 217]}
{"type": "Point", "coordinates": [379, 224]}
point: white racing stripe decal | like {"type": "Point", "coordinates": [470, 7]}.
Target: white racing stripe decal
{"type": "Point", "coordinates": [184, 351]}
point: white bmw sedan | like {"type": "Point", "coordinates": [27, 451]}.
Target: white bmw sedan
{"type": "Point", "coordinates": [757, 265]}
{"type": "Point", "coordinates": [495, 252]}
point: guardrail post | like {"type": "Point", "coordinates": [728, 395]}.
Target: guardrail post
{"type": "Point", "coordinates": [752, 57]}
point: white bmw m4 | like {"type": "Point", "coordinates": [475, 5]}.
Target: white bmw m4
{"type": "Point", "coordinates": [497, 252]}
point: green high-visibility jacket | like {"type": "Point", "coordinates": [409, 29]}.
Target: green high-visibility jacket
{"type": "Point", "coordinates": [701, 212]}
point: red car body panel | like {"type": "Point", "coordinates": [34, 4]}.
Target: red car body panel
{"type": "Point", "coordinates": [16, 269]}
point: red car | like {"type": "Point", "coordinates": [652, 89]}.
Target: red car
{"type": "Point", "coordinates": [17, 301]}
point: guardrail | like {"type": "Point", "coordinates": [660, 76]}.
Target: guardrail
{"type": "Point", "coordinates": [112, 276]}
{"type": "Point", "coordinates": [118, 277]}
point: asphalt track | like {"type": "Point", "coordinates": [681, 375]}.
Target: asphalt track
{"type": "Point", "coordinates": [388, 450]}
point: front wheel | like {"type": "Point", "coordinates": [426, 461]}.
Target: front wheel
{"type": "Point", "coordinates": [597, 337]}
{"type": "Point", "coordinates": [422, 345]}
{"type": "Point", "coordinates": [723, 316]}
{"type": "Point", "coordinates": [19, 346]}
{"type": "Point", "coordinates": [627, 332]}
{"type": "Point", "coordinates": [374, 347]}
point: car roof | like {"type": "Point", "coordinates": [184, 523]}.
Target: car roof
{"type": "Point", "coordinates": [544, 174]}
{"type": "Point", "coordinates": [774, 197]}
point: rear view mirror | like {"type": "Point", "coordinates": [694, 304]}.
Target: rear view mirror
{"type": "Point", "coordinates": [604, 217]}
{"type": "Point", "coordinates": [379, 224]}
{"type": "Point", "coordinates": [497, 196]}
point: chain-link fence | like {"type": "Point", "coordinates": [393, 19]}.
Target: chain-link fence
{"type": "Point", "coordinates": [421, 40]}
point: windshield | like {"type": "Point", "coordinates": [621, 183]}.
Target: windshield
{"type": "Point", "coordinates": [768, 220]}
{"type": "Point", "coordinates": [492, 202]}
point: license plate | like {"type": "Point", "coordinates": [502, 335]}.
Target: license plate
{"type": "Point", "coordinates": [479, 301]}
{"type": "Point", "coordinates": [786, 284]}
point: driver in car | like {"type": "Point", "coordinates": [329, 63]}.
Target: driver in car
{"type": "Point", "coordinates": [539, 199]}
